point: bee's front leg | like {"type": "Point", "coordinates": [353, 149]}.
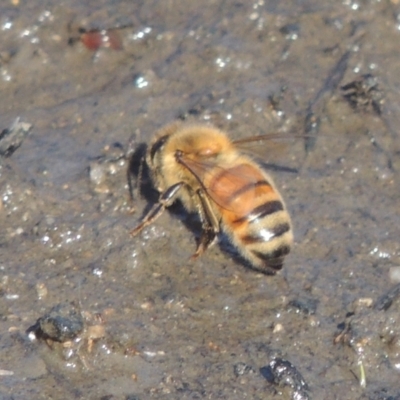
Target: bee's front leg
{"type": "Point", "coordinates": [165, 200]}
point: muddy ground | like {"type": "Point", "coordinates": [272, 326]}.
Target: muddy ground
{"type": "Point", "coordinates": [95, 79]}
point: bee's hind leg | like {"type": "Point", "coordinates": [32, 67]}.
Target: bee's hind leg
{"type": "Point", "coordinates": [210, 225]}
{"type": "Point", "coordinates": [208, 238]}
{"type": "Point", "coordinates": [165, 200]}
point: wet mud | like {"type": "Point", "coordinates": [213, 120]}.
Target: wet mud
{"type": "Point", "coordinates": [94, 81]}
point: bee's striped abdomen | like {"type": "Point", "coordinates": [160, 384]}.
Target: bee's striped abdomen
{"type": "Point", "coordinates": [254, 215]}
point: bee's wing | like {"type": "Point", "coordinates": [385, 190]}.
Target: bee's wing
{"type": "Point", "coordinates": [260, 138]}
{"type": "Point", "coordinates": [232, 180]}
{"type": "Point", "coordinates": [276, 151]}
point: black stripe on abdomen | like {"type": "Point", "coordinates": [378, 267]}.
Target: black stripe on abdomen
{"type": "Point", "coordinates": [261, 211]}
{"type": "Point", "coordinates": [246, 188]}
{"type": "Point", "coordinates": [279, 252]}
{"type": "Point", "coordinates": [274, 259]}
{"type": "Point", "coordinates": [275, 232]}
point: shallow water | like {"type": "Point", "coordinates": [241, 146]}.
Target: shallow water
{"type": "Point", "coordinates": [176, 329]}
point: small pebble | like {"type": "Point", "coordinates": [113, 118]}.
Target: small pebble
{"type": "Point", "coordinates": [394, 274]}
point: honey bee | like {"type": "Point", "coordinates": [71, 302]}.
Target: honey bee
{"type": "Point", "coordinates": [205, 170]}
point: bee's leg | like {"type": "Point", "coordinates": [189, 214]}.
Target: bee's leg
{"type": "Point", "coordinates": [210, 225]}
{"type": "Point", "coordinates": [165, 200]}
